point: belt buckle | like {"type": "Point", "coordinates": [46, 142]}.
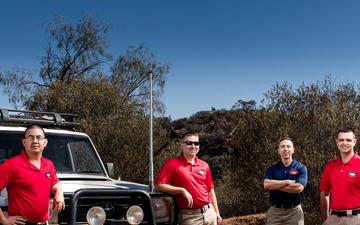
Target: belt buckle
{"type": "Point", "coordinates": [284, 206]}
{"type": "Point", "coordinates": [42, 223]}
{"type": "Point", "coordinates": [349, 212]}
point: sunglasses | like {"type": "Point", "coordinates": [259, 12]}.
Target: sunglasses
{"type": "Point", "coordinates": [196, 143]}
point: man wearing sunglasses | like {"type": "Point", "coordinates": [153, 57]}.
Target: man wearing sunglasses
{"type": "Point", "coordinates": [189, 179]}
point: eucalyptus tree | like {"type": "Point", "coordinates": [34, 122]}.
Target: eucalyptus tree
{"type": "Point", "coordinates": [131, 76]}
{"type": "Point", "coordinates": [310, 115]}
{"type": "Point", "coordinates": [112, 108]}
{"type": "Point", "coordinates": [73, 51]}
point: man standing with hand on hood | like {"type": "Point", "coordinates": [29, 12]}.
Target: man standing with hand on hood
{"type": "Point", "coordinates": [190, 180]}
{"type": "Point", "coordinates": [29, 179]}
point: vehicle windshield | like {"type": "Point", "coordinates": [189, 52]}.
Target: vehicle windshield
{"type": "Point", "coordinates": [69, 153]}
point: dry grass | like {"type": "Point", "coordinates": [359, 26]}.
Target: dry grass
{"type": "Point", "coordinates": [256, 219]}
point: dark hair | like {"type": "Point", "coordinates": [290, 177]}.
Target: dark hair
{"type": "Point", "coordinates": [345, 130]}
{"type": "Point", "coordinates": [34, 127]}
{"type": "Point", "coordinates": [189, 133]}
{"type": "Point", "coordinates": [284, 138]}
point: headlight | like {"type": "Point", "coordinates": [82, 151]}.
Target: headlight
{"type": "Point", "coordinates": [135, 215]}
{"type": "Point", "coordinates": [163, 207]}
{"type": "Point", "coordinates": [96, 216]}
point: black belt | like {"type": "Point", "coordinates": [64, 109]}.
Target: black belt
{"type": "Point", "coordinates": [205, 208]}
{"type": "Point", "coordinates": [195, 211]}
{"type": "Point", "coordinates": [38, 223]}
{"type": "Point", "coordinates": [285, 206]}
{"type": "Point", "coordinates": [344, 213]}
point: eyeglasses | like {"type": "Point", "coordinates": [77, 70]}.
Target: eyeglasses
{"type": "Point", "coordinates": [38, 137]}
{"type": "Point", "coordinates": [196, 143]}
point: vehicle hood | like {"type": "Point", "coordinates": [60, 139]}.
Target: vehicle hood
{"type": "Point", "coordinates": [71, 183]}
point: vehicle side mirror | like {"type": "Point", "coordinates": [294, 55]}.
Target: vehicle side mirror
{"type": "Point", "coordinates": [110, 169]}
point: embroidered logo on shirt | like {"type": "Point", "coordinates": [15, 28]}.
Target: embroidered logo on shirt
{"type": "Point", "coordinates": [294, 172]}
{"type": "Point", "coordinates": [352, 174]}
{"type": "Point", "coordinates": [201, 172]}
{"type": "Point", "coordinates": [47, 174]}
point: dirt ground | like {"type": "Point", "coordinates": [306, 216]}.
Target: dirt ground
{"type": "Point", "coordinates": [256, 219]}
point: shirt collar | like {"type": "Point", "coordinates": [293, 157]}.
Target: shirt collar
{"type": "Point", "coordinates": [184, 160]}
{"type": "Point", "coordinates": [280, 164]}
{"type": "Point", "coordinates": [26, 161]}
{"type": "Point", "coordinates": [351, 161]}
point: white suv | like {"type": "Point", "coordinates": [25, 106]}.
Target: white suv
{"type": "Point", "coordinates": [92, 196]}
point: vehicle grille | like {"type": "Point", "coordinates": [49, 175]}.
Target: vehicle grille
{"type": "Point", "coordinates": [115, 204]}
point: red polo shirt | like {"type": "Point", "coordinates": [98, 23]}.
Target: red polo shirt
{"type": "Point", "coordinates": [195, 178]}
{"type": "Point", "coordinates": [343, 181]}
{"type": "Point", "coordinates": [28, 187]}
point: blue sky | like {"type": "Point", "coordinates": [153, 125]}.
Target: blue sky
{"type": "Point", "coordinates": [219, 51]}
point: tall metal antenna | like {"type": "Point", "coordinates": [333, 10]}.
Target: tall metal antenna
{"type": "Point", "coordinates": [151, 165]}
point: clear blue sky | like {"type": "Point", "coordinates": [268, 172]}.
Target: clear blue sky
{"type": "Point", "coordinates": [219, 51]}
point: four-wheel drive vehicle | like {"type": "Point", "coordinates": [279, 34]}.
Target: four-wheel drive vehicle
{"type": "Point", "coordinates": [91, 195]}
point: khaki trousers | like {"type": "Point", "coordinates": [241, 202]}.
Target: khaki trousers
{"type": "Point", "coordinates": [343, 220]}
{"type": "Point", "coordinates": [207, 218]}
{"type": "Point", "coordinates": [281, 216]}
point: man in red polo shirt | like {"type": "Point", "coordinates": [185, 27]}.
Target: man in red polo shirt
{"type": "Point", "coordinates": [341, 180]}
{"type": "Point", "coordinates": [29, 179]}
{"type": "Point", "coordinates": [189, 178]}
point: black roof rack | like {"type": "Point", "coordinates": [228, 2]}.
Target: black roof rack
{"type": "Point", "coordinates": [44, 119]}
